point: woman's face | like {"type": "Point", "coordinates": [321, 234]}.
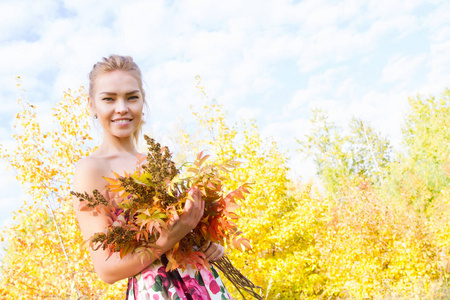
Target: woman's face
{"type": "Point", "coordinates": [118, 103]}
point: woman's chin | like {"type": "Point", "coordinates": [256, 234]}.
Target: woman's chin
{"type": "Point", "coordinates": [121, 135]}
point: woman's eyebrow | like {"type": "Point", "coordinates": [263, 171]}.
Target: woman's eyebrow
{"type": "Point", "coordinates": [111, 93]}
{"type": "Point", "coordinates": [133, 92]}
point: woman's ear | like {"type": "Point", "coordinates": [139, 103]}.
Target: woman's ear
{"type": "Point", "coordinates": [91, 105]}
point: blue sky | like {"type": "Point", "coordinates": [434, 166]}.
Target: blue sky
{"type": "Point", "coordinates": [272, 60]}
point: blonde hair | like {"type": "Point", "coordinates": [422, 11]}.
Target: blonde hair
{"type": "Point", "coordinates": [113, 63]}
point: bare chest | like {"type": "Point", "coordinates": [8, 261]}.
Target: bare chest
{"type": "Point", "coordinates": [119, 165]}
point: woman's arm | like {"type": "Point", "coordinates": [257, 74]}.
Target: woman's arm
{"type": "Point", "coordinates": [88, 176]}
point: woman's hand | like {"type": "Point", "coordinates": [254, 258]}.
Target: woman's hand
{"type": "Point", "coordinates": [193, 210]}
{"type": "Point", "coordinates": [192, 214]}
{"type": "Point", "coordinates": [213, 251]}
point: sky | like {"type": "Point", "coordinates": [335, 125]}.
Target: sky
{"type": "Point", "coordinates": [272, 61]}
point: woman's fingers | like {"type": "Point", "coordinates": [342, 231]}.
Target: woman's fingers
{"type": "Point", "coordinates": [213, 251]}
{"type": "Point", "coordinates": [193, 210]}
{"type": "Point", "coordinates": [195, 193]}
{"type": "Point", "coordinates": [175, 218]}
{"type": "Point", "coordinates": [202, 204]}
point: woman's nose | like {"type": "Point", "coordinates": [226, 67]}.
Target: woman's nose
{"type": "Point", "coordinates": [121, 107]}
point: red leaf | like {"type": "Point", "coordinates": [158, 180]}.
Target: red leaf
{"type": "Point", "coordinates": [203, 159]}
{"type": "Point", "coordinates": [199, 156]}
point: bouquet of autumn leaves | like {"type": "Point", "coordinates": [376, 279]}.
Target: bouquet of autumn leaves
{"type": "Point", "coordinates": [151, 197]}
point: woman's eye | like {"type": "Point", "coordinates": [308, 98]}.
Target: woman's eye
{"type": "Point", "coordinates": [133, 98]}
{"type": "Point", "coordinates": [108, 99]}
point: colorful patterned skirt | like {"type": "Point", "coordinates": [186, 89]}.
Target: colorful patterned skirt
{"type": "Point", "coordinates": [156, 284]}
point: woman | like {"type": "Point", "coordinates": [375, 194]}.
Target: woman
{"type": "Point", "coordinates": [116, 100]}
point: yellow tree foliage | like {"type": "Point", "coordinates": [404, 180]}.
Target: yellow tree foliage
{"type": "Point", "coordinates": [372, 248]}
{"type": "Point", "coordinates": [306, 245]}
{"type": "Point", "coordinates": [43, 258]}
{"type": "Point", "coordinates": [282, 259]}
{"type": "Point", "coordinates": [390, 239]}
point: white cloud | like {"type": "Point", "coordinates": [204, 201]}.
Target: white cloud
{"type": "Point", "coordinates": [346, 88]}
{"type": "Point", "coordinates": [402, 68]}
{"type": "Point", "coordinates": [439, 64]}
{"type": "Point", "coordinates": [300, 98]}
{"type": "Point", "coordinates": [10, 204]}
{"type": "Point", "coordinates": [437, 21]}
{"type": "Point", "coordinates": [249, 112]}
{"type": "Point", "coordinates": [7, 220]}
{"type": "Point", "coordinates": [384, 111]}
{"type": "Point", "coordinates": [12, 194]}
{"type": "Point", "coordinates": [302, 167]}
{"type": "Point", "coordinates": [389, 9]}
{"type": "Point", "coordinates": [340, 49]}
{"type": "Point", "coordinates": [319, 90]}
{"type": "Point", "coordinates": [398, 25]}
{"type": "Point", "coordinates": [18, 21]}
{"type": "Point", "coordinates": [287, 133]}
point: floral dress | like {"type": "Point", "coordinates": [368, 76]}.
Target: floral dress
{"type": "Point", "coordinates": [154, 283]}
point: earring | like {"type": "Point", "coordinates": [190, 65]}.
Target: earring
{"type": "Point", "coordinates": [143, 114]}
{"type": "Point", "coordinates": [95, 116]}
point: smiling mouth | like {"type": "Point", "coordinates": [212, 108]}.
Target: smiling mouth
{"type": "Point", "coordinates": [122, 121]}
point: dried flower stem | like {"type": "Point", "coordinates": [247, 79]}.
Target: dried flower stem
{"type": "Point", "coordinates": [236, 278]}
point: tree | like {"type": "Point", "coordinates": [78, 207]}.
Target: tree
{"type": "Point", "coordinates": [43, 257]}
{"type": "Point", "coordinates": [279, 217]}
{"type": "Point", "coordinates": [364, 241]}
{"type": "Point", "coordinates": [386, 230]}
{"type": "Point", "coordinates": [361, 155]}
{"type": "Point", "coordinates": [420, 173]}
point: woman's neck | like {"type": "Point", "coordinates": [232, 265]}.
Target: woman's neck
{"type": "Point", "coordinates": [114, 146]}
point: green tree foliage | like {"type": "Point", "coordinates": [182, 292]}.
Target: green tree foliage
{"type": "Point", "coordinates": [427, 129]}
{"type": "Point", "coordinates": [421, 172]}
{"type": "Point", "coordinates": [345, 159]}
{"type": "Point", "coordinates": [388, 231]}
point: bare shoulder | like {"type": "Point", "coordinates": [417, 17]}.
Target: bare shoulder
{"type": "Point", "coordinates": [88, 177]}
{"type": "Point", "coordinates": [89, 173]}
